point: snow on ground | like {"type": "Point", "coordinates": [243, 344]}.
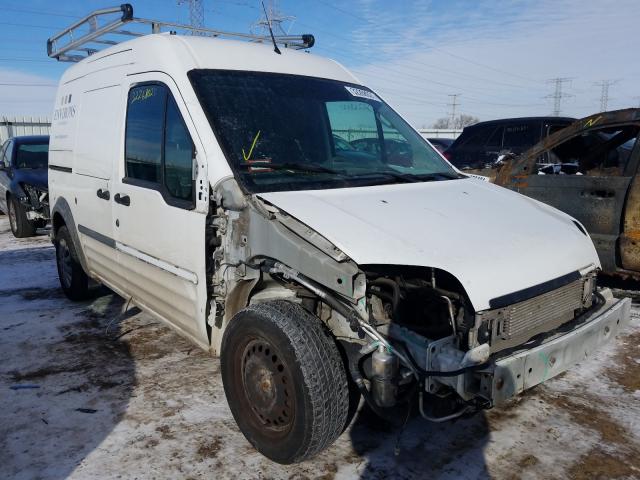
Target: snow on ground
{"type": "Point", "coordinates": [127, 398]}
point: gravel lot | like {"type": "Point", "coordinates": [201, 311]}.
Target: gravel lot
{"type": "Point", "coordinates": [128, 398]}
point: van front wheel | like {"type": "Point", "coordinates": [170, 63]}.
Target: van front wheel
{"type": "Point", "coordinates": [73, 280]}
{"type": "Point", "coordinates": [284, 380]}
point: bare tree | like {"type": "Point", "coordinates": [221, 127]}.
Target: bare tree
{"type": "Point", "coordinates": [464, 120]}
{"type": "Point", "coordinates": [459, 122]}
{"type": "Point", "coordinates": [442, 123]}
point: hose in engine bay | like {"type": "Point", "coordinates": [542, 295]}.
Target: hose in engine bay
{"type": "Point", "coordinates": [269, 265]}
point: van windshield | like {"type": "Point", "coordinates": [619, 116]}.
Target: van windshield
{"type": "Point", "coordinates": [287, 132]}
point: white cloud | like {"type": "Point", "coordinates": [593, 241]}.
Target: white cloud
{"type": "Point", "coordinates": [468, 51]}
{"type": "Point", "coordinates": [25, 93]}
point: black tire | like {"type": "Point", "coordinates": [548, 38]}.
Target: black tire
{"type": "Point", "coordinates": [284, 380]}
{"type": "Point", "coordinates": [73, 279]}
{"type": "Point", "coordinates": [21, 227]}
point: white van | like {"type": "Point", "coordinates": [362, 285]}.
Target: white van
{"type": "Point", "coordinates": [279, 214]}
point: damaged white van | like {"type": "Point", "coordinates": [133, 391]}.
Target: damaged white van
{"type": "Point", "coordinates": [278, 213]}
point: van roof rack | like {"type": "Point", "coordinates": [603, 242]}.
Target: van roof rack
{"type": "Point", "coordinates": [100, 29]}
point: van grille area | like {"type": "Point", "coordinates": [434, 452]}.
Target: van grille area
{"type": "Point", "coordinates": [515, 324]}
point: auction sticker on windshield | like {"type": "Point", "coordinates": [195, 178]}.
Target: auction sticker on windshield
{"type": "Point", "coordinates": [359, 92]}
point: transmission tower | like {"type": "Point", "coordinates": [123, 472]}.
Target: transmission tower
{"type": "Point", "coordinates": [604, 93]}
{"type": "Point", "coordinates": [454, 103]}
{"type": "Point", "coordinates": [274, 17]}
{"type": "Point", "coordinates": [196, 13]}
{"type": "Point", "coordinates": [558, 94]}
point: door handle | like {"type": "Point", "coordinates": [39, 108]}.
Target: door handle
{"type": "Point", "coordinates": [103, 194]}
{"type": "Point", "coordinates": [599, 193]}
{"type": "Point", "coordinates": [122, 199]}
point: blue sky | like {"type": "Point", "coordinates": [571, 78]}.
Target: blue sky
{"type": "Point", "coordinates": [497, 54]}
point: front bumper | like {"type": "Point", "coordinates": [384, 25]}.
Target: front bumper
{"type": "Point", "coordinates": [36, 202]}
{"type": "Point", "coordinates": [513, 374]}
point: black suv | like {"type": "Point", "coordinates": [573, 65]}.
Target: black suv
{"type": "Point", "coordinates": [23, 183]}
{"type": "Point", "coordinates": [480, 145]}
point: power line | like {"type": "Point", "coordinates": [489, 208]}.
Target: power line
{"type": "Point", "coordinates": [424, 79]}
{"type": "Point", "coordinates": [39, 12]}
{"type": "Point", "coordinates": [558, 94]}
{"type": "Point", "coordinates": [604, 93]}
{"type": "Point", "coordinates": [196, 14]}
{"type": "Point", "coordinates": [28, 25]}
{"type": "Point", "coordinates": [274, 18]}
{"type": "Point", "coordinates": [23, 60]}
{"type": "Point", "coordinates": [383, 27]}
{"type": "Point", "coordinates": [453, 105]}
{"type": "Point", "coordinates": [28, 85]}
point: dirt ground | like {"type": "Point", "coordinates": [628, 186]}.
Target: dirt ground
{"type": "Point", "coordinates": [96, 395]}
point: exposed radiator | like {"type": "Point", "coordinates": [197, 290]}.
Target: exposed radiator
{"type": "Point", "coordinates": [515, 324]}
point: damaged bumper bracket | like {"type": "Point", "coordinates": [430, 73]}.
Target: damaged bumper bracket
{"type": "Point", "coordinates": [520, 371]}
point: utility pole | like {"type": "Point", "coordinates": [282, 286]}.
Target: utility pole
{"type": "Point", "coordinates": [454, 103]}
{"type": "Point", "coordinates": [274, 18]}
{"type": "Point", "coordinates": [196, 13]}
{"type": "Point", "coordinates": [604, 93]}
{"type": "Point", "coordinates": [558, 94]}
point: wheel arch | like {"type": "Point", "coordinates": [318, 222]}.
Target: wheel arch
{"type": "Point", "coordinates": [61, 216]}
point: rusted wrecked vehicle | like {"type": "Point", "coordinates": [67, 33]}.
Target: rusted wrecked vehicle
{"type": "Point", "coordinates": [590, 171]}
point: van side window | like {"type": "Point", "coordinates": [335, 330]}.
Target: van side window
{"type": "Point", "coordinates": [178, 155]}
{"type": "Point", "coordinates": [158, 148]}
{"type": "Point", "coordinates": [145, 122]}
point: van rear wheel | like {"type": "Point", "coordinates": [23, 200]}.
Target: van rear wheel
{"type": "Point", "coordinates": [284, 380]}
{"type": "Point", "coordinates": [73, 280]}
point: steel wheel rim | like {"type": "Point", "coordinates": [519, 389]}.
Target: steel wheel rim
{"type": "Point", "coordinates": [267, 387]}
{"type": "Point", "coordinates": [64, 261]}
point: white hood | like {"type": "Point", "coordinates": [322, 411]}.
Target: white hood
{"type": "Point", "coordinates": [493, 240]}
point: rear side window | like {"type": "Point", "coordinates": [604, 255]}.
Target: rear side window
{"type": "Point", "coordinates": [495, 141]}
{"type": "Point", "coordinates": [475, 138]}
{"type": "Point", "coordinates": [551, 129]}
{"type": "Point", "coordinates": [32, 156]}
{"type": "Point", "coordinates": [158, 148]}
{"type": "Point", "coordinates": [520, 136]}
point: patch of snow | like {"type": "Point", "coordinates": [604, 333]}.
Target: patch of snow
{"type": "Point", "coordinates": [160, 409]}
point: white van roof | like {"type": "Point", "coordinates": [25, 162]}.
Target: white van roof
{"type": "Point", "coordinates": [177, 54]}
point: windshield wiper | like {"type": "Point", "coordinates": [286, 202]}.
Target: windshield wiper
{"type": "Point", "coordinates": [411, 178]}
{"type": "Point", "coordinates": [389, 174]}
{"type": "Point", "coordinates": [439, 176]}
{"type": "Point", "coordinates": [297, 167]}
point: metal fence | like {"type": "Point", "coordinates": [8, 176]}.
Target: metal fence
{"type": "Point", "coordinates": [15, 126]}
{"type": "Point", "coordinates": [440, 133]}
{"type": "Point", "coordinates": [25, 125]}
{"type": "Point", "coordinates": [350, 135]}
